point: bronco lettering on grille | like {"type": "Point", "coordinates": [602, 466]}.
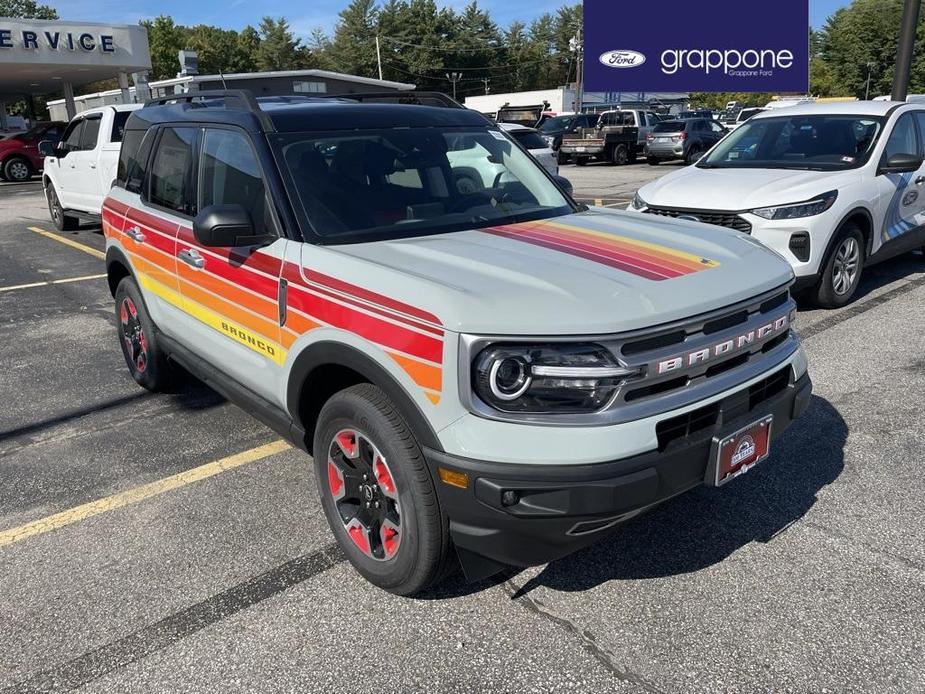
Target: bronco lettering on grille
{"type": "Point", "coordinates": [704, 354]}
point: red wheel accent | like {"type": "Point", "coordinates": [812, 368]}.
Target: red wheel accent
{"type": "Point", "coordinates": [123, 314]}
{"type": "Point", "coordinates": [358, 534]}
{"type": "Point", "coordinates": [390, 539]}
{"type": "Point", "coordinates": [335, 480]}
{"type": "Point", "coordinates": [384, 477]}
{"type": "Point", "coordinates": [347, 440]}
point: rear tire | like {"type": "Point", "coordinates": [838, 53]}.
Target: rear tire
{"type": "Point", "coordinates": [581, 161]}
{"type": "Point", "coordinates": [144, 358]}
{"type": "Point", "coordinates": [693, 154]}
{"type": "Point", "coordinates": [17, 170]}
{"type": "Point", "coordinates": [619, 156]}
{"type": "Point", "coordinates": [401, 543]}
{"type": "Point", "coordinates": [841, 273]}
{"type": "Point", "coordinates": [652, 161]}
{"type": "Point", "coordinates": [62, 221]}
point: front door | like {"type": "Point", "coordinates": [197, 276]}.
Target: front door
{"type": "Point", "coordinates": [231, 295]}
{"type": "Point", "coordinates": [83, 175]}
{"type": "Point", "coordinates": [901, 197]}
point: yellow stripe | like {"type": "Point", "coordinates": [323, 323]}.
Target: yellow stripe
{"type": "Point", "coordinates": [257, 343]}
{"type": "Point", "coordinates": [68, 280]}
{"type": "Point", "coordinates": [664, 250]}
{"type": "Point", "coordinates": [68, 242]}
{"type": "Point", "coordinates": [133, 496]}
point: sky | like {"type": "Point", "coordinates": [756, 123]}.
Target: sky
{"type": "Point", "coordinates": [305, 16]}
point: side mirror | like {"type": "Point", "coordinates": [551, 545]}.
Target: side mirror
{"type": "Point", "coordinates": [901, 163]}
{"type": "Point", "coordinates": [564, 183]}
{"type": "Point", "coordinates": [226, 226]}
{"type": "Point", "coordinates": [47, 148]}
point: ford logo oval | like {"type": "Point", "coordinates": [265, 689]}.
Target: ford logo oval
{"type": "Point", "coordinates": [622, 59]}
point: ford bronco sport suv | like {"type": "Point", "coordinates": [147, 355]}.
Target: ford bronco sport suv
{"type": "Point", "coordinates": [493, 375]}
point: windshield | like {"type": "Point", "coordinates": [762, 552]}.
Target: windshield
{"type": "Point", "coordinates": [377, 184]}
{"type": "Point", "coordinates": [670, 126]}
{"type": "Point", "coordinates": [747, 113]}
{"type": "Point", "coordinates": [528, 138]}
{"type": "Point", "coordinates": [558, 123]}
{"type": "Point", "coordinates": [823, 143]}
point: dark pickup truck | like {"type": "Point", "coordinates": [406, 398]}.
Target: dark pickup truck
{"type": "Point", "coordinates": [614, 139]}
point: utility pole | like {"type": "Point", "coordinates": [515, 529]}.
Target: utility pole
{"type": "Point", "coordinates": [870, 66]}
{"type": "Point", "coordinates": [576, 44]}
{"type": "Point", "coordinates": [454, 77]}
{"type": "Point", "coordinates": [485, 81]}
{"type": "Point", "coordinates": [378, 56]}
{"type": "Point", "coordinates": [904, 52]}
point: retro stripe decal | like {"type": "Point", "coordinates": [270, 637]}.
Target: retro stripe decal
{"type": "Point", "coordinates": [236, 294]}
{"type": "Point", "coordinates": [649, 260]}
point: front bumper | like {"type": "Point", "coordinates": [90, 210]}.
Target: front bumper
{"type": "Point", "coordinates": [562, 508]}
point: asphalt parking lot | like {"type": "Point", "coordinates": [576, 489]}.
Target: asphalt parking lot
{"type": "Point", "coordinates": [170, 543]}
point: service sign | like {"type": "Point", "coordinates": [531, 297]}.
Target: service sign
{"type": "Point", "coordinates": [719, 46]}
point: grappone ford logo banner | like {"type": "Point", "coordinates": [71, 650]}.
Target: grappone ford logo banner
{"type": "Point", "coordinates": [721, 46]}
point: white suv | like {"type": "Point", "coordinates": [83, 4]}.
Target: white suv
{"type": "Point", "coordinates": [830, 187]}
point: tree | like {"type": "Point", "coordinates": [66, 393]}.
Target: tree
{"type": "Point", "coordinates": [353, 49]}
{"type": "Point", "coordinates": [279, 49]}
{"type": "Point", "coordinates": [246, 48]}
{"type": "Point", "coordinates": [26, 9]}
{"type": "Point", "coordinates": [165, 40]}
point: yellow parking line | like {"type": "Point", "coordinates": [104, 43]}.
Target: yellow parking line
{"type": "Point", "coordinates": [133, 496]}
{"type": "Point", "coordinates": [67, 280]}
{"type": "Point", "coordinates": [69, 242]}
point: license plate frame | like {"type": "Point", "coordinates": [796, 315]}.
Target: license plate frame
{"type": "Point", "coordinates": [735, 454]}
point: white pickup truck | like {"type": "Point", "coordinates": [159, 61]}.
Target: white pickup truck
{"type": "Point", "coordinates": [80, 169]}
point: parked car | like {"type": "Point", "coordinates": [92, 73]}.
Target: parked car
{"type": "Point", "coordinates": [554, 129]}
{"type": "Point", "coordinates": [737, 118]}
{"type": "Point", "coordinates": [833, 188]}
{"type": "Point", "coordinates": [497, 377]}
{"type": "Point", "coordinates": [19, 154]}
{"type": "Point", "coordinates": [618, 137]}
{"type": "Point", "coordinates": [531, 140]}
{"type": "Point", "coordinates": [682, 139]}
{"type": "Point", "coordinates": [80, 169]}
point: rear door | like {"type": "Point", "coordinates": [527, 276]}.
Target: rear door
{"type": "Point", "coordinates": [82, 172]}
{"type": "Point", "coordinates": [231, 295]}
{"type": "Point", "coordinates": [901, 197]}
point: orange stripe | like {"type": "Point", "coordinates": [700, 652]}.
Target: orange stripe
{"type": "Point", "coordinates": [665, 260]}
{"type": "Point", "coordinates": [230, 292]}
{"type": "Point", "coordinates": [433, 397]}
{"type": "Point", "coordinates": [265, 328]}
{"type": "Point", "coordinates": [155, 270]}
{"type": "Point", "coordinates": [425, 375]}
{"type": "Point", "coordinates": [287, 338]}
{"type": "Point", "coordinates": [299, 324]}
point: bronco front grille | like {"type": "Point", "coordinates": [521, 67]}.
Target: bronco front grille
{"type": "Point", "coordinates": [730, 220]}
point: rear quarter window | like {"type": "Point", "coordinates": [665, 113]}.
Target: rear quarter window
{"type": "Point", "coordinates": [133, 158]}
{"type": "Point", "coordinates": [670, 126]}
{"type": "Point", "coordinates": [118, 126]}
{"type": "Point", "coordinates": [529, 139]}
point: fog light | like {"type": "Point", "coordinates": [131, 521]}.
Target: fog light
{"type": "Point", "coordinates": [799, 246]}
{"type": "Point", "coordinates": [510, 498]}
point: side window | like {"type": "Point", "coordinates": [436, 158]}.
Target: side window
{"type": "Point", "coordinates": [90, 133]}
{"type": "Point", "coordinates": [229, 173]}
{"type": "Point", "coordinates": [71, 140]}
{"type": "Point", "coordinates": [169, 186]}
{"type": "Point", "coordinates": [920, 119]}
{"type": "Point", "coordinates": [903, 138]}
{"type": "Point", "coordinates": [119, 119]}
{"type": "Point", "coordinates": [133, 159]}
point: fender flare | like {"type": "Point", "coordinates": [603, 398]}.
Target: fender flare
{"type": "Point", "coordinates": [332, 353]}
{"type": "Point", "coordinates": [863, 211]}
{"type": "Point", "coordinates": [114, 255]}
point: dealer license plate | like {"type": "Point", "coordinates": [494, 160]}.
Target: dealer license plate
{"type": "Point", "coordinates": [581, 149]}
{"type": "Point", "coordinates": [663, 139]}
{"type": "Point", "coordinates": [739, 452]}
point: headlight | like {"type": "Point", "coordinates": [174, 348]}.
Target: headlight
{"type": "Point", "coordinates": [638, 203]}
{"type": "Point", "coordinates": [550, 140]}
{"type": "Point", "coordinates": [547, 378]}
{"type": "Point", "coordinates": [799, 209]}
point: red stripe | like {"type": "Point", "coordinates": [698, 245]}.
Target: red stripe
{"type": "Point", "coordinates": [360, 293]}
{"type": "Point", "coordinates": [666, 269]}
{"type": "Point", "coordinates": [117, 207]}
{"type": "Point", "coordinates": [163, 225]}
{"type": "Point", "coordinates": [595, 257]}
{"type": "Point", "coordinates": [370, 327]}
{"type": "Point", "coordinates": [253, 260]}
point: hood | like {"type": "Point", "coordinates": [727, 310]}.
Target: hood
{"type": "Point", "coordinates": [735, 190]}
{"type": "Point", "coordinates": [594, 272]}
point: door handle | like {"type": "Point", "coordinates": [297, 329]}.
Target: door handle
{"type": "Point", "coordinates": [192, 258]}
{"type": "Point", "coordinates": [920, 180]}
{"type": "Point", "coordinates": [92, 164]}
{"type": "Point", "coordinates": [135, 234]}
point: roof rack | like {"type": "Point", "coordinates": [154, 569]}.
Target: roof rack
{"type": "Point", "coordinates": [242, 98]}
{"type": "Point", "coordinates": [400, 97]}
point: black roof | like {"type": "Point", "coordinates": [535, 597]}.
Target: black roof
{"type": "Point", "coordinates": [282, 115]}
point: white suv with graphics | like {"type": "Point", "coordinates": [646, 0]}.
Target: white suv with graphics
{"type": "Point", "coordinates": [830, 187]}
{"type": "Point", "coordinates": [488, 372]}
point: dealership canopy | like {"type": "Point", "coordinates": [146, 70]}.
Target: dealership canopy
{"type": "Point", "coordinates": [48, 57]}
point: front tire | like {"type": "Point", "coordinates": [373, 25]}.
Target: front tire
{"type": "Point", "coordinates": [652, 161]}
{"type": "Point", "coordinates": [17, 170]}
{"type": "Point", "coordinates": [378, 494]}
{"type": "Point", "coordinates": [842, 271]}
{"type": "Point", "coordinates": [62, 221]}
{"type": "Point", "coordinates": [144, 358]}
